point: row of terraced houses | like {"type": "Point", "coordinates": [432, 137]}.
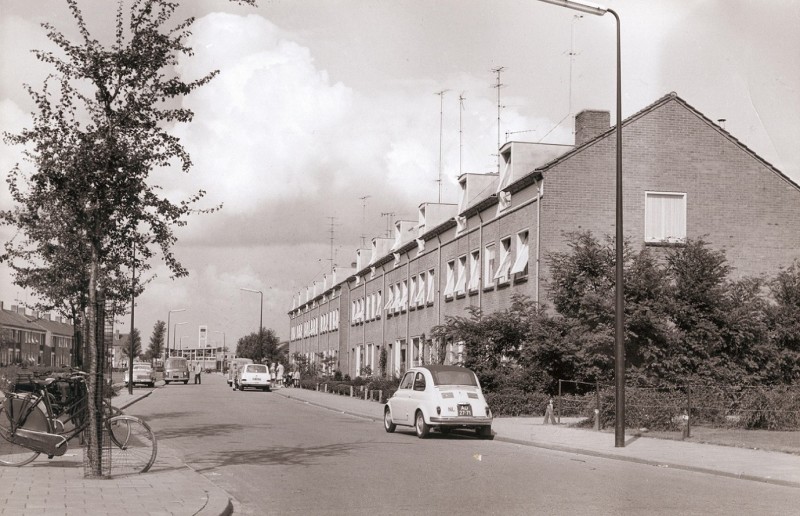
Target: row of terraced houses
{"type": "Point", "coordinates": [684, 176]}
{"type": "Point", "coordinates": [34, 339]}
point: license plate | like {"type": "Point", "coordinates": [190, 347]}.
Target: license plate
{"type": "Point", "coordinates": [256, 378]}
{"type": "Point", "coordinates": [465, 410]}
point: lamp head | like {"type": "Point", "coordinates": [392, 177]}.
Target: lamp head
{"type": "Point", "coordinates": [579, 6]}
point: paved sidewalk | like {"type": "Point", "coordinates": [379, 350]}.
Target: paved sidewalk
{"type": "Point", "coordinates": [58, 487]}
{"type": "Point", "coordinates": [757, 465]}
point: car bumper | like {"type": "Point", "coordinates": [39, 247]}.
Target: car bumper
{"type": "Point", "coordinates": [461, 421]}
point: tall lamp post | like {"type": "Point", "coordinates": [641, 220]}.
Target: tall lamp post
{"type": "Point", "coordinates": [619, 305]}
{"type": "Point", "coordinates": [224, 349]}
{"type": "Point", "coordinates": [166, 351]}
{"type": "Point", "coordinates": [260, 320]}
{"type": "Point", "coordinates": [175, 331]}
{"type": "Point", "coordinates": [180, 343]}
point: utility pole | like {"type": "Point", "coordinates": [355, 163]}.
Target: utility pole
{"type": "Point", "coordinates": [332, 222]}
{"type": "Point", "coordinates": [364, 219]}
{"type": "Point", "coordinates": [461, 99]}
{"type": "Point", "coordinates": [497, 71]}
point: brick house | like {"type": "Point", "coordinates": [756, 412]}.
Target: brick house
{"type": "Point", "coordinates": [684, 176]}
{"type": "Point", "coordinates": [34, 339]}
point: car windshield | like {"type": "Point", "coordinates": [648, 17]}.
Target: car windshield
{"type": "Point", "coordinates": [141, 366]}
{"type": "Point", "coordinates": [454, 377]}
{"type": "Point", "coordinates": [256, 369]}
{"type": "Point", "coordinates": [175, 363]}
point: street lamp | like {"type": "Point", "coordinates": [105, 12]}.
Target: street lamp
{"type": "Point", "coordinates": [180, 343]}
{"type": "Point", "coordinates": [166, 351]}
{"type": "Point", "coordinates": [619, 304]}
{"type": "Point", "coordinates": [175, 331]}
{"type": "Point", "coordinates": [261, 318]}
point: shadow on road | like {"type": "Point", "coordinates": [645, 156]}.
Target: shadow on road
{"type": "Point", "coordinates": [280, 455]}
{"type": "Point", "coordinates": [200, 430]}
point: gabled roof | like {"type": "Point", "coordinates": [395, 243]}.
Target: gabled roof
{"type": "Point", "coordinates": [15, 320]}
{"type": "Point", "coordinates": [670, 97]}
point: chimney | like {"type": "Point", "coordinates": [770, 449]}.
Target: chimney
{"type": "Point", "coordinates": [589, 124]}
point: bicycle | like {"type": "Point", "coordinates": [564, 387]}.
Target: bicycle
{"type": "Point", "coordinates": [55, 412]}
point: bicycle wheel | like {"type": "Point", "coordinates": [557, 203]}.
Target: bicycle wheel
{"type": "Point", "coordinates": [14, 454]}
{"type": "Point", "coordinates": [133, 445]}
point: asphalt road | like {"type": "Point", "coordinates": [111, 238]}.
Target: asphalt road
{"type": "Point", "coordinates": [279, 456]}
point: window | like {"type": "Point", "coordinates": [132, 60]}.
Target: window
{"type": "Point", "coordinates": [474, 267]}
{"type": "Point", "coordinates": [378, 305]}
{"type": "Point", "coordinates": [419, 382]}
{"type": "Point", "coordinates": [488, 266]}
{"type": "Point", "coordinates": [664, 217]}
{"type": "Point", "coordinates": [404, 296]}
{"type": "Point", "coordinates": [451, 280]}
{"type": "Point", "coordinates": [389, 299]}
{"type": "Point", "coordinates": [421, 291]}
{"type": "Point", "coordinates": [505, 260]}
{"type": "Point", "coordinates": [412, 293]}
{"type": "Point", "coordinates": [431, 286]}
{"type": "Point", "coordinates": [461, 281]}
{"type": "Point", "coordinates": [521, 263]}
{"type": "Point", "coordinates": [408, 381]}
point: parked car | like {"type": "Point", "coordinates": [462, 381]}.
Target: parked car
{"type": "Point", "coordinates": [142, 374]}
{"type": "Point", "coordinates": [176, 369]}
{"type": "Point", "coordinates": [254, 376]}
{"type": "Point", "coordinates": [233, 368]}
{"type": "Point", "coordinates": [438, 397]}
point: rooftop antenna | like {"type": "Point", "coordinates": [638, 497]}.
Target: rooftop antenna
{"type": "Point", "coordinates": [497, 86]}
{"type": "Point", "coordinates": [363, 218]}
{"type": "Point", "coordinates": [572, 55]}
{"type": "Point", "coordinates": [461, 99]}
{"type": "Point", "coordinates": [441, 120]}
{"type": "Point", "coordinates": [389, 216]}
{"type": "Point", "coordinates": [333, 224]}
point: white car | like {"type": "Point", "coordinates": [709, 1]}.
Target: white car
{"type": "Point", "coordinates": [438, 397]}
{"type": "Point", "coordinates": [255, 376]}
{"type": "Point", "coordinates": [142, 374]}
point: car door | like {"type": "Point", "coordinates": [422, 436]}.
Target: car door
{"type": "Point", "coordinates": [418, 396]}
{"type": "Point", "coordinates": [401, 400]}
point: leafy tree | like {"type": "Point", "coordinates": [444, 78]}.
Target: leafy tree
{"type": "Point", "coordinates": [100, 128]}
{"type": "Point", "coordinates": [137, 344]}
{"type": "Point", "coordinates": [157, 340]}
{"type": "Point", "coordinates": [262, 348]}
{"type": "Point", "coordinates": [783, 321]}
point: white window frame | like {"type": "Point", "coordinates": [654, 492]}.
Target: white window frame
{"type": "Point", "coordinates": [488, 265]}
{"type": "Point", "coordinates": [653, 236]}
{"type": "Point", "coordinates": [474, 270]}
{"type": "Point", "coordinates": [520, 266]}
{"type": "Point", "coordinates": [412, 293]}
{"type": "Point", "coordinates": [421, 290]}
{"type": "Point", "coordinates": [449, 288]}
{"type": "Point", "coordinates": [389, 299]}
{"type": "Point", "coordinates": [461, 277]}
{"type": "Point", "coordinates": [378, 305]}
{"type": "Point", "coordinates": [431, 286]}
{"type": "Point", "coordinates": [404, 295]}
{"type": "Point", "coordinates": [502, 274]}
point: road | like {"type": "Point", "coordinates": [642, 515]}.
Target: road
{"type": "Point", "coordinates": [279, 456]}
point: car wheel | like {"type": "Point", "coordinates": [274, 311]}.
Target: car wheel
{"type": "Point", "coordinates": [388, 425]}
{"type": "Point", "coordinates": [152, 384]}
{"type": "Point", "coordinates": [484, 432]}
{"type": "Point", "coordinates": [166, 382]}
{"type": "Point", "coordinates": [421, 426]}
{"type": "Point", "coordinates": [185, 382]}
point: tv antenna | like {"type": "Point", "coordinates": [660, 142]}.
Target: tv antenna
{"type": "Point", "coordinates": [497, 85]}
{"type": "Point", "coordinates": [461, 99]}
{"type": "Point", "coordinates": [331, 230]}
{"type": "Point", "coordinates": [441, 120]}
{"type": "Point", "coordinates": [389, 216]}
{"type": "Point", "coordinates": [363, 218]}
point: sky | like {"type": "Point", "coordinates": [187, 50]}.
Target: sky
{"type": "Point", "coordinates": [323, 126]}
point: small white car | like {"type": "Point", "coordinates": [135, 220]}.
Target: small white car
{"type": "Point", "coordinates": [439, 397]}
{"type": "Point", "coordinates": [254, 376]}
{"type": "Point", "coordinates": [142, 374]}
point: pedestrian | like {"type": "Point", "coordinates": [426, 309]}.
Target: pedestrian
{"type": "Point", "coordinates": [296, 377]}
{"type": "Point", "coordinates": [548, 413]}
{"type": "Point", "coordinates": [198, 368]}
{"type": "Point", "coordinates": [280, 370]}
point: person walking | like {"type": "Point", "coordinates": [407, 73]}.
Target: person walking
{"type": "Point", "coordinates": [198, 368]}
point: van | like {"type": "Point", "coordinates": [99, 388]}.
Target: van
{"type": "Point", "coordinates": [176, 369]}
{"type": "Point", "coordinates": [234, 366]}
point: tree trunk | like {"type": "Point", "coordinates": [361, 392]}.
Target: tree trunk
{"type": "Point", "coordinates": [94, 380]}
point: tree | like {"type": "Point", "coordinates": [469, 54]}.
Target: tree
{"type": "Point", "coordinates": [100, 128]}
{"type": "Point", "coordinates": [157, 340]}
{"type": "Point", "coordinates": [137, 344]}
{"type": "Point", "coordinates": [261, 348]}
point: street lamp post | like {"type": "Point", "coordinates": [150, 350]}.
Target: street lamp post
{"type": "Point", "coordinates": [175, 331]}
{"type": "Point", "coordinates": [260, 320]}
{"type": "Point", "coordinates": [619, 304]}
{"type": "Point", "coordinates": [166, 351]}
{"type": "Point", "coordinates": [180, 343]}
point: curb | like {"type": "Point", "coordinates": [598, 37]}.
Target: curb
{"type": "Point", "coordinates": [349, 413]}
{"type": "Point", "coordinates": [647, 462]}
